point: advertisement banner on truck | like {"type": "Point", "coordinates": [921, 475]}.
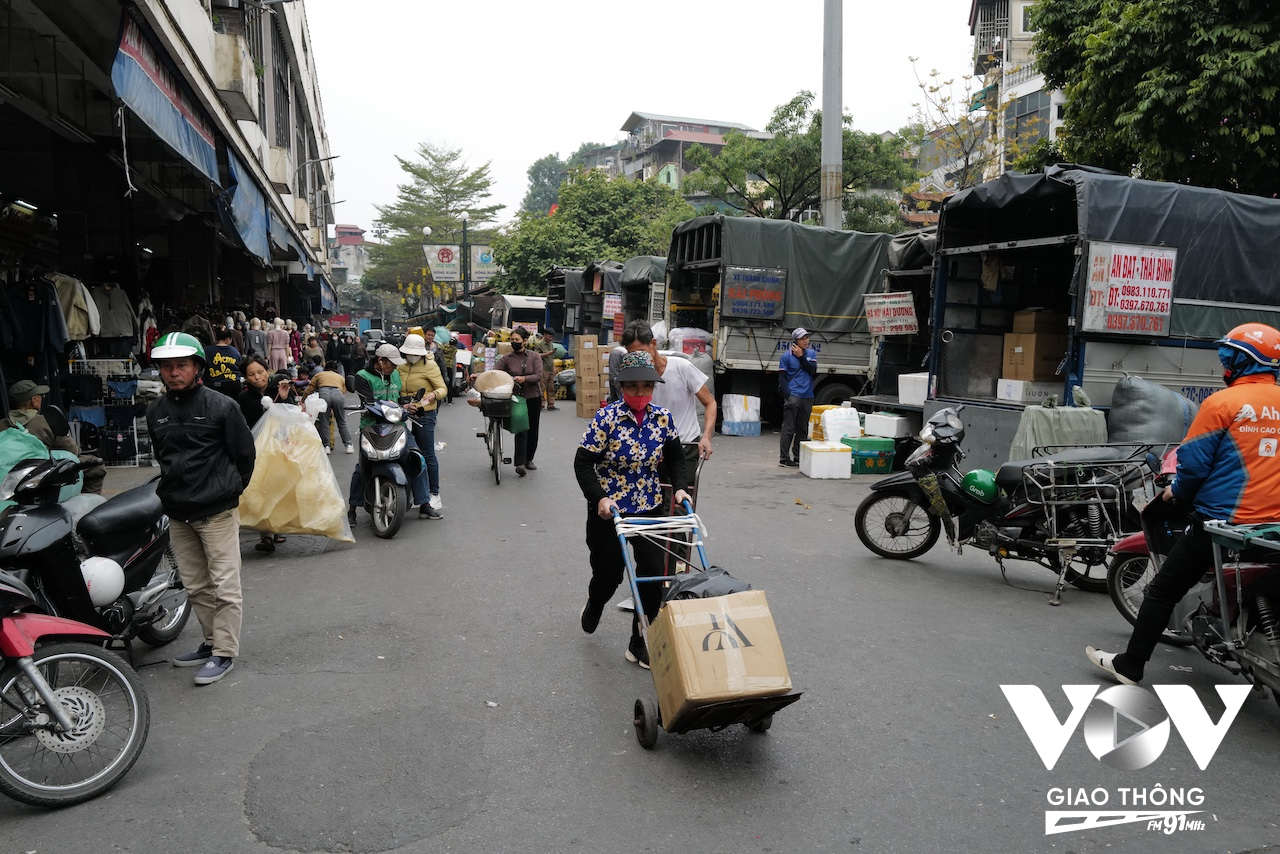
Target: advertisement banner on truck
{"type": "Point", "coordinates": [891, 314]}
{"type": "Point", "coordinates": [754, 293]}
{"type": "Point", "coordinates": [1130, 289]}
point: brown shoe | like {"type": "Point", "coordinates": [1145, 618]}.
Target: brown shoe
{"type": "Point", "coordinates": [551, 409]}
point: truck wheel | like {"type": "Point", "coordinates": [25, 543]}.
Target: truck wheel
{"type": "Point", "coordinates": [832, 393]}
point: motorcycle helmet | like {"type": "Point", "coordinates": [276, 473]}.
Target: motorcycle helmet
{"type": "Point", "coordinates": [178, 345]}
{"type": "Point", "coordinates": [103, 578]}
{"type": "Point", "coordinates": [1250, 348]}
{"type": "Point", "coordinates": [980, 484]}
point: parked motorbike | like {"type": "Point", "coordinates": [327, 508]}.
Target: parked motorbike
{"type": "Point", "coordinates": [73, 716]}
{"type": "Point", "coordinates": [1061, 510]}
{"type": "Point", "coordinates": [387, 463]}
{"type": "Point", "coordinates": [115, 569]}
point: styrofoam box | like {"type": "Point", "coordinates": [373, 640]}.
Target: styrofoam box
{"type": "Point", "coordinates": [1024, 391]}
{"type": "Point", "coordinates": [826, 460]}
{"type": "Point", "coordinates": [840, 422]}
{"type": "Point", "coordinates": [913, 389]}
{"type": "Point", "coordinates": [891, 426]}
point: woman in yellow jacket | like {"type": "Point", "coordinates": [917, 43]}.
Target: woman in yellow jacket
{"type": "Point", "coordinates": [420, 371]}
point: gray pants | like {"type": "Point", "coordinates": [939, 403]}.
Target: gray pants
{"type": "Point", "coordinates": [336, 401]}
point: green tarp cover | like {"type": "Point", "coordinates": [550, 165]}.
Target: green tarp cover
{"type": "Point", "coordinates": [643, 269]}
{"type": "Point", "coordinates": [1227, 248]}
{"type": "Point", "coordinates": [828, 271]}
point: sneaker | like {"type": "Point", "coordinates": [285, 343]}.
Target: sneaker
{"type": "Point", "coordinates": [328, 451]}
{"type": "Point", "coordinates": [1107, 661]}
{"type": "Point", "coordinates": [435, 502]}
{"type": "Point", "coordinates": [637, 652]}
{"type": "Point", "coordinates": [521, 470]}
{"type": "Point", "coordinates": [789, 463]}
{"type": "Point", "coordinates": [351, 516]}
{"type": "Point", "coordinates": [428, 513]}
{"type": "Point", "coordinates": [214, 669]}
{"type": "Point", "coordinates": [590, 616]}
{"type": "Point", "coordinates": [530, 466]}
{"type": "Point", "coordinates": [350, 449]}
{"type": "Point", "coordinates": [193, 659]}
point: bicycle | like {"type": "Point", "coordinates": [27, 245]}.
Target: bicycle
{"type": "Point", "coordinates": [495, 410]}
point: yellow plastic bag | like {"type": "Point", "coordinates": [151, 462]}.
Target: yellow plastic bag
{"type": "Point", "coordinates": [293, 489]}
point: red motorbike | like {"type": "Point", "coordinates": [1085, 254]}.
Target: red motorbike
{"type": "Point", "coordinates": [73, 716]}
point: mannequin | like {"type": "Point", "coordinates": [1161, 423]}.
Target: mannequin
{"type": "Point", "coordinates": [278, 347]}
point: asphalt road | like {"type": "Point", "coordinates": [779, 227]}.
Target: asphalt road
{"type": "Point", "coordinates": [435, 693]}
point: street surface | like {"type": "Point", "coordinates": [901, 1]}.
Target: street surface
{"type": "Point", "coordinates": [435, 693]}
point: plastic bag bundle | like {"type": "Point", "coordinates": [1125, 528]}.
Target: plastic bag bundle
{"type": "Point", "coordinates": [1142, 411]}
{"type": "Point", "coordinates": [293, 489]}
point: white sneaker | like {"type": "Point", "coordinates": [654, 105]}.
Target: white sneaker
{"type": "Point", "coordinates": [328, 450]}
{"type": "Point", "coordinates": [1106, 661]}
{"type": "Point", "coordinates": [350, 450]}
{"type": "Point", "coordinates": [435, 502]}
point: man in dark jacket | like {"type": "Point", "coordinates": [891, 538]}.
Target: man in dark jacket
{"type": "Point", "coordinates": [206, 458]}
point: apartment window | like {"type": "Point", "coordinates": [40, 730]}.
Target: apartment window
{"type": "Point", "coordinates": [1025, 17]}
{"type": "Point", "coordinates": [1026, 120]}
{"type": "Point", "coordinates": [253, 35]}
{"type": "Point", "coordinates": [280, 83]}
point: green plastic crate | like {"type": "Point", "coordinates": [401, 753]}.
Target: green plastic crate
{"type": "Point", "coordinates": [869, 443]}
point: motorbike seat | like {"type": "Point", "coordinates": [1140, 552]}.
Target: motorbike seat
{"type": "Point", "coordinates": [130, 510]}
{"type": "Point", "coordinates": [1009, 476]}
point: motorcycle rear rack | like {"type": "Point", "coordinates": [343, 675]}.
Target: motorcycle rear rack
{"type": "Point", "coordinates": [1085, 489]}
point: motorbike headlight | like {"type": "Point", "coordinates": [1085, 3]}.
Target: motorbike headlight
{"type": "Point", "coordinates": [394, 414]}
{"type": "Point", "coordinates": [927, 435]}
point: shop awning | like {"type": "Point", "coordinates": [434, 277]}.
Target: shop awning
{"type": "Point", "coordinates": [279, 232]}
{"type": "Point", "coordinates": [328, 296]}
{"type": "Point", "coordinates": [145, 79]}
{"type": "Point", "coordinates": [247, 208]}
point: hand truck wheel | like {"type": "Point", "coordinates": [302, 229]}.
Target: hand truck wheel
{"type": "Point", "coordinates": [761, 725]}
{"type": "Point", "coordinates": [646, 723]}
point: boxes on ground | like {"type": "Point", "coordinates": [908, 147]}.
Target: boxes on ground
{"type": "Point", "coordinates": [1022, 391]}
{"type": "Point", "coordinates": [871, 454]}
{"type": "Point", "coordinates": [825, 460]}
{"type": "Point", "coordinates": [740, 428]}
{"type": "Point", "coordinates": [712, 650]}
{"type": "Point", "coordinates": [741, 415]}
{"type": "Point", "coordinates": [913, 389]}
{"type": "Point", "coordinates": [839, 422]}
{"type": "Point", "coordinates": [1039, 320]}
{"type": "Point", "coordinates": [586, 406]}
{"type": "Point", "coordinates": [1032, 356]}
{"type": "Point", "coordinates": [815, 421]}
{"type": "Point", "coordinates": [891, 426]}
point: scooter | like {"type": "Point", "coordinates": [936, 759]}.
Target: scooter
{"type": "Point", "coordinates": [388, 464]}
{"type": "Point", "coordinates": [73, 717]}
{"type": "Point", "coordinates": [114, 570]}
{"type": "Point", "coordinates": [1062, 510]}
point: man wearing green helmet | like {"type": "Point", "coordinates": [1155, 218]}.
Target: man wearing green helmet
{"type": "Point", "coordinates": [206, 457]}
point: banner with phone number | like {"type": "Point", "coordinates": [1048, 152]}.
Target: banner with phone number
{"type": "Point", "coordinates": [1130, 289]}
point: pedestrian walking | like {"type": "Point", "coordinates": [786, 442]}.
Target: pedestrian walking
{"type": "Point", "coordinates": [526, 368]}
{"type": "Point", "coordinates": [206, 457]}
{"type": "Point", "coordinates": [799, 365]}
{"type": "Point", "coordinates": [330, 386]}
{"type": "Point", "coordinates": [545, 346]}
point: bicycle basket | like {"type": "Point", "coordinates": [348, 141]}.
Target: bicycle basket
{"type": "Point", "coordinates": [495, 407]}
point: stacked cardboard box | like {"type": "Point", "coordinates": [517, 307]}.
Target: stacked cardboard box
{"type": "Point", "coordinates": [589, 383]}
{"type": "Point", "coordinates": [1033, 351]}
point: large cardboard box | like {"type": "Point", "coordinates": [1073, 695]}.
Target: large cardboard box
{"type": "Point", "coordinates": [1033, 357]}
{"type": "Point", "coordinates": [586, 407]}
{"type": "Point", "coordinates": [705, 651]}
{"type": "Point", "coordinates": [1039, 320]}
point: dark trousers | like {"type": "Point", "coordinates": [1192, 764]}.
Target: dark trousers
{"type": "Point", "coordinates": [1189, 559]}
{"type": "Point", "coordinates": [795, 426]}
{"type": "Point", "coordinates": [527, 442]}
{"type": "Point", "coordinates": [607, 566]}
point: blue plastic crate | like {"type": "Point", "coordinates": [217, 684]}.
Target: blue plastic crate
{"type": "Point", "coordinates": [740, 428]}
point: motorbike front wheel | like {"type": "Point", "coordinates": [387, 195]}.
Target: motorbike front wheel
{"type": "Point", "coordinates": [883, 527]}
{"type": "Point", "coordinates": [43, 765]}
{"type": "Point", "coordinates": [1127, 578]}
{"type": "Point", "coordinates": [390, 504]}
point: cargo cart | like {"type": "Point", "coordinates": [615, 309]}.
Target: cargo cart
{"type": "Point", "coordinates": [682, 532]}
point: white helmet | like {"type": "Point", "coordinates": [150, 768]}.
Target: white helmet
{"type": "Point", "coordinates": [104, 579]}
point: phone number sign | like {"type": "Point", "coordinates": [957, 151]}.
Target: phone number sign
{"type": "Point", "coordinates": [1130, 289]}
{"type": "Point", "coordinates": [754, 293]}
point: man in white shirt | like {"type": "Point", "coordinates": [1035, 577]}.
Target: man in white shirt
{"type": "Point", "coordinates": [682, 388]}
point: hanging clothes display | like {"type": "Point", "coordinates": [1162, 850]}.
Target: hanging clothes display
{"type": "Point", "coordinates": [79, 309]}
{"type": "Point", "coordinates": [119, 322]}
{"type": "Point", "coordinates": [41, 335]}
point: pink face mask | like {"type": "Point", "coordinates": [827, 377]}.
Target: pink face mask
{"type": "Point", "coordinates": [637, 402]}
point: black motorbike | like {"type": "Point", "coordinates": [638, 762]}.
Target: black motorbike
{"type": "Point", "coordinates": [388, 463]}
{"type": "Point", "coordinates": [62, 560]}
{"type": "Point", "coordinates": [1062, 510]}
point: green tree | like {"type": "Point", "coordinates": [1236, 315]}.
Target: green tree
{"type": "Point", "coordinates": [598, 218]}
{"type": "Point", "coordinates": [545, 177]}
{"type": "Point", "coordinates": [440, 188]}
{"type": "Point", "coordinates": [1171, 90]}
{"type": "Point", "coordinates": [780, 177]}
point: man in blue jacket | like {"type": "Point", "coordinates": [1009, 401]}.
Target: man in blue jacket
{"type": "Point", "coordinates": [799, 365]}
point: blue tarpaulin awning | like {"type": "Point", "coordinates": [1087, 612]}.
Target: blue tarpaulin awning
{"type": "Point", "coordinates": [248, 210]}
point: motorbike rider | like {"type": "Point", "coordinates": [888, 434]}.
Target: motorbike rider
{"type": "Point", "coordinates": [379, 380]}
{"type": "Point", "coordinates": [1228, 469]}
{"type": "Point", "coordinates": [206, 456]}
{"type": "Point", "coordinates": [420, 371]}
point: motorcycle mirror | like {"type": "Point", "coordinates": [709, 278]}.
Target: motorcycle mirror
{"type": "Point", "coordinates": [57, 420]}
{"type": "Point", "coordinates": [1153, 463]}
{"type": "Point", "coordinates": [422, 392]}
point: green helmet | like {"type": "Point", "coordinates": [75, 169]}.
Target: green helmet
{"type": "Point", "coordinates": [178, 345]}
{"type": "Point", "coordinates": [980, 484]}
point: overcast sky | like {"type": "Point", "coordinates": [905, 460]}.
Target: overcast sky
{"type": "Point", "coordinates": [509, 81]}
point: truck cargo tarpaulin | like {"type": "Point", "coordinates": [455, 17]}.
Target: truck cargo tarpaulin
{"type": "Point", "coordinates": [828, 271]}
{"type": "Point", "coordinates": [1228, 260]}
{"type": "Point", "coordinates": [892, 314]}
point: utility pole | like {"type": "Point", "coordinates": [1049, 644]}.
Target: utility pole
{"type": "Point", "coordinates": [832, 114]}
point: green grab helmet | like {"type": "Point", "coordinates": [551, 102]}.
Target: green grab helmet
{"type": "Point", "coordinates": [980, 484]}
{"type": "Point", "coordinates": [178, 345]}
